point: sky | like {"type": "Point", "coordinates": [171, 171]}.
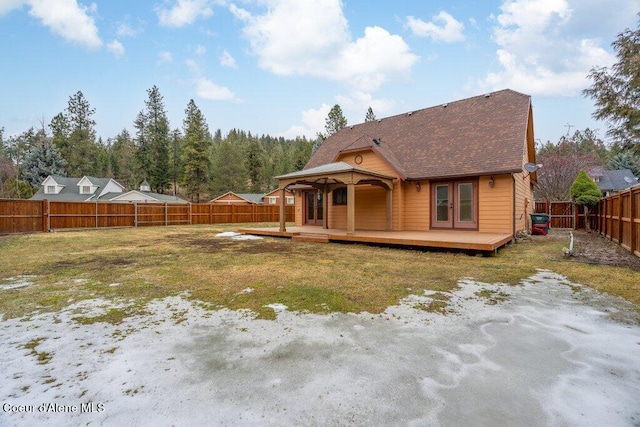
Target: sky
{"type": "Point", "coordinates": [278, 66]}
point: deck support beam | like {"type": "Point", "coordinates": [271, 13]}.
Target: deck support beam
{"type": "Point", "coordinates": [389, 209]}
{"type": "Point", "coordinates": [351, 209]}
{"type": "Point", "coordinates": [283, 220]}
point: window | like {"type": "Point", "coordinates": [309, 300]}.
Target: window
{"type": "Point", "coordinates": [86, 189]}
{"type": "Point", "coordinates": [290, 200]}
{"type": "Point", "coordinates": [340, 196]}
{"type": "Point", "coordinates": [50, 189]}
{"type": "Point", "coordinates": [272, 200]}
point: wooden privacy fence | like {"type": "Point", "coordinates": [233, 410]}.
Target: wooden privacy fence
{"type": "Point", "coordinates": [563, 214]}
{"type": "Point", "coordinates": [617, 217]}
{"type": "Point", "coordinates": [30, 216]}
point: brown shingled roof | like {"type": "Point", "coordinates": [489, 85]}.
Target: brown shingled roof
{"type": "Point", "coordinates": [475, 136]}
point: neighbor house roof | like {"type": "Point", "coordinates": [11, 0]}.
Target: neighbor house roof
{"type": "Point", "coordinates": [475, 136]}
{"type": "Point", "coordinates": [255, 198]}
{"type": "Point", "coordinates": [142, 196]}
{"type": "Point", "coordinates": [70, 190]}
{"type": "Point", "coordinates": [612, 180]}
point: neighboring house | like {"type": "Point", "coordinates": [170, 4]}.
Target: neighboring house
{"type": "Point", "coordinates": [231, 198]}
{"type": "Point", "coordinates": [57, 188]}
{"type": "Point", "coordinates": [273, 198]}
{"type": "Point", "coordinates": [455, 166]}
{"type": "Point", "coordinates": [144, 195]}
{"type": "Point", "coordinates": [612, 181]}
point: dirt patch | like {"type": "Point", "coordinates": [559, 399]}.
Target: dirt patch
{"type": "Point", "coordinates": [592, 248]}
{"type": "Point", "coordinates": [94, 264]}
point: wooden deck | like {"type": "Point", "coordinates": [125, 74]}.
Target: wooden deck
{"type": "Point", "coordinates": [447, 239]}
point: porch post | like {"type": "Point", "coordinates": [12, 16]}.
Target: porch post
{"type": "Point", "coordinates": [283, 227]}
{"type": "Point", "coordinates": [390, 209]}
{"type": "Point", "coordinates": [325, 208]}
{"type": "Point", "coordinates": [351, 208]}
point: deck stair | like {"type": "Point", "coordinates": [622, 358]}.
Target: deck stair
{"type": "Point", "coordinates": [311, 237]}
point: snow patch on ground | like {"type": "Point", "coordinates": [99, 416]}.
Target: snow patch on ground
{"type": "Point", "coordinates": [17, 282]}
{"type": "Point", "coordinates": [551, 354]}
{"type": "Point", "coordinates": [238, 236]}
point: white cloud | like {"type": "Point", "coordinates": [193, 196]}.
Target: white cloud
{"type": "Point", "coordinates": [9, 5]}
{"type": "Point", "coordinates": [183, 12]}
{"type": "Point", "coordinates": [126, 29]}
{"type": "Point", "coordinates": [200, 50]}
{"type": "Point", "coordinates": [226, 60]}
{"type": "Point", "coordinates": [312, 38]}
{"type": "Point", "coordinates": [65, 18]}
{"type": "Point", "coordinates": [313, 122]}
{"type": "Point", "coordinates": [359, 102]}
{"type": "Point", "coordinates": [442, 28]}
{"type": "Point", "coordinates": [546, 48]}
{"type": "Point", "coordinates": [116, 48]}
{"type": "Point", "coordinates": [165, 57]}
{"type": "Point", "coordinates": [206, 89]}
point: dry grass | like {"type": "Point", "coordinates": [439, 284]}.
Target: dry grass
{"type": "Point", "coordinates": [133, 266]}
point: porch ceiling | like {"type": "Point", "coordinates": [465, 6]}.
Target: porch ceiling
{"type": "Point", "coordinates": [336, 173]}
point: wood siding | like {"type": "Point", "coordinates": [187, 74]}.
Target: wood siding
{"type": "Point", "coordinates": [417, 213]}
{"type": "Point", "coordinates": [495, 204]}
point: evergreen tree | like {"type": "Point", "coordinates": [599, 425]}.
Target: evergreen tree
{"type": "Point", "coordinates": [229, 172]}
{"type": "Point", "coordinates": [255, 166]}
{"type": "Point", "coordinates": [196, 152]}
{"type": "Point", "coordinates": [123, 160]}
{"type": "Point", "coordinates": [175, 160]}
{"type": "Point", "coordinates": [335, 121]}
{"type": "Point", "coordinates": [626, 159]}
{"type": "Point", "coordinates": [152, 134]}
{"type": "Point", "coordinates": [80, 150]}
{"type": "Point", "coordinates": [44, 160]}
{"type": "Point", "coordinates": [585, 192]}
{"type": "Point", "coordinates": [615, 91]}
{"type": "Point", "coordinates": [370, 117]}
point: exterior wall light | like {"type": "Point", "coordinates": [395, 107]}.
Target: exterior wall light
{"type": "Point", "coordinates": [418, 186]}
{"type": "Point", "coordinates": [491, 182]}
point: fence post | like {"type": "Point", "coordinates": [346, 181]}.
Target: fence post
{"type": "Point", "coordinates": [135, 214]}
{"type": "Point", "coordinates": [166, 214]}
{"type": "Point", "coordinates": [190, 215]}
{"type": "Point", "coordinates": [620, 223]}
{"type": "Point", "coordinates": [45, 215]}
{"type": "Point", "coordinates": [632, 224]}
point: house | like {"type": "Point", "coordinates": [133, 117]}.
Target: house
{"type": "Point", "coordinates": [467, 165]}
{"type": "Point", "coordinates": [143, 195]}
{"type": "Point", "coordinates": [612, 181]}
{"type": "Point", "coordinates": [273, 198]}
{"type": "Point", "coordinates": [231, 198]}
{"type": "Point", "coordinates": [57, 188]}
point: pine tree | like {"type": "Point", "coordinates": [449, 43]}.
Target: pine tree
{"type": "Point", "coordinates": [196, 152]}
{"type": "Point", "coordinates": [152, 137]}
{"type": "Point", "coordinates": [370, 117]}
{"type": "Point", "coordinates": [80, 150]}
{"type": "Point", "coordinates": [44, 160]}
{"type": "Point", "coordinates": [335, 121]}
{"type": "Point", "coordinates": [255, 165]}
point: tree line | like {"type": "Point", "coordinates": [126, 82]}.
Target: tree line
{"type": "Point", "coordinates": [615, 91]}
{"type": "Point", "coordinates": [189, 161]}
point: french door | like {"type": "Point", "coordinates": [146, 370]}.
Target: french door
{"type": "Point", "coordinates": [455, 204]}
{"type": "Point", "coordinates": [313, 207]}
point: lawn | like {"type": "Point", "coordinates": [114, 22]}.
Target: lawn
{"type": "Point", "coordinates": [131, 267]}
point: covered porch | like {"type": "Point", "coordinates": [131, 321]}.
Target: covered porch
{"type": "Point", "coordinates": [437, 239]}
{"type": "Point", "coordinates": [333, 176]}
